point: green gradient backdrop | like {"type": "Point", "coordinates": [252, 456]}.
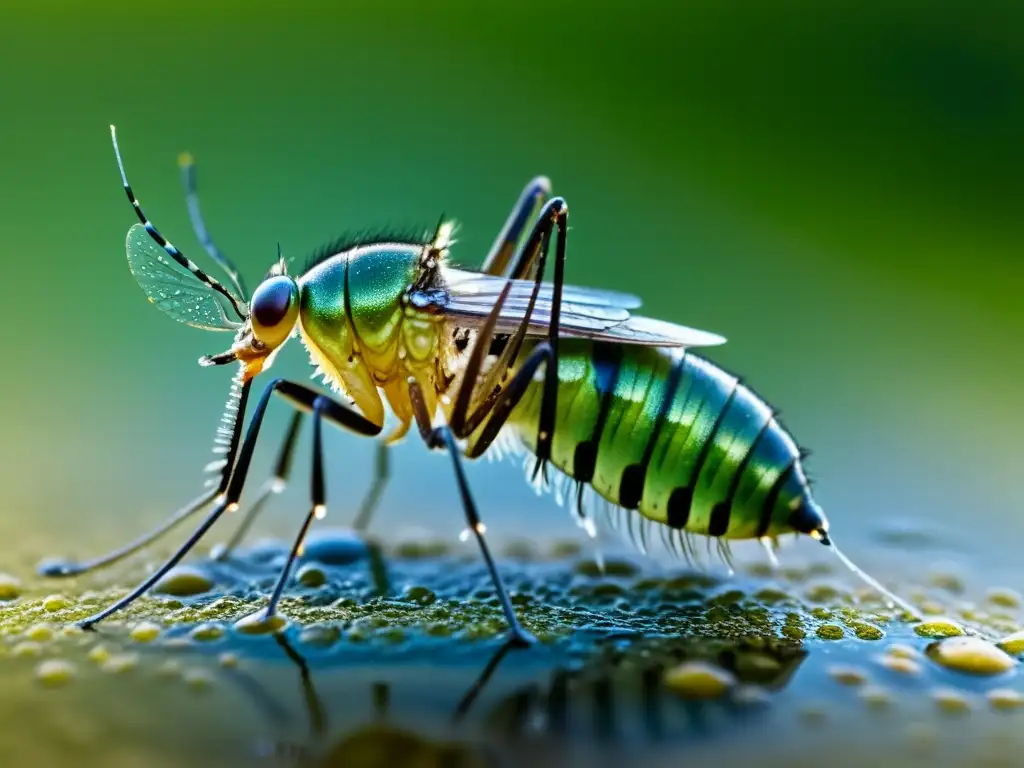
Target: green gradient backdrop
{"type": "Point", "coordinates": [840, 192]}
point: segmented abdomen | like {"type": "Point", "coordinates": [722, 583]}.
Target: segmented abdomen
{"type": "Point", "coordinates": [672, 436]}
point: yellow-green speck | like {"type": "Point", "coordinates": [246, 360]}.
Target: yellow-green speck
{"type": "Point", "coordinates": [54, 603]}
{"type": "Point", "coordinates": [99, 653]}
{"type": "Point", "coordinates": [10, 587]}
{"type": "Point", "coordinates": [1004, 597]}
{"type": "Point", "coordinates": [228, 660]}
{"type": "Point", "coordinates": [848, 675]}
{"type": "Point", "coordinates": [207, 631]}
{"type": "Point", "coordinates": [55, 673]}
{"type": "Point", "coordinates": [903, 651]}
{"type": "Point", "coordinates": [866, 631]}
{"type": "Point", "coordinates": [1013, 644]}
{"type": "Point", "coordinates": [698, 680]}
{"type": "Point", "coordinates": [311, 575]}
{"type": "Point", "coordinates": [830, 632]}
{"type": "Point", "coordinates": [145, 632]}
{"type": "Point", "coordinates": [940, 626]}
{"type": "Point", "coordinates": [27, 648]}
{"type": "Point", "coordinates": [875, 696]}
{"type": "Point", "coordinates": [259, 623]}
{"type": "Point", "coordinates": [320, 635]}
{"type": "Point", "coordinates": [40, 633]}
{"type": "Point", "coordinates": [900, 664]}
{"type": "Point", "coordinates": [119, 664]}
{"type": "Point", "coordinates": [947, 580]}
{"type": "Point", "coordinates": [184, 581]}
{"type": "Point", "coordinates": [951, 701]}
{"type": "Point", "coordinates": [1005, 699]}
{"type": "Point", "coordinates": [197, 679]}
{"type": "Point", "coordinates": [972, 655]}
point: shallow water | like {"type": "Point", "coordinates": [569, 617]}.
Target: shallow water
{"type": "Point", "coordinates": [405, 662]}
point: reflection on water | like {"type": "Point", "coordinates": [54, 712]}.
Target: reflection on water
{"type": "Point", "coordinates": [601, 701]}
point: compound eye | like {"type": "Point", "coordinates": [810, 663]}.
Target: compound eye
{"type": "Point", "coordinates": [273, 310]}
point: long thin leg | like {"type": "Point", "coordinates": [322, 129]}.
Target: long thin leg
{"type": "Point", "coordinates": [381, 476]}
{"type": "Point", "coordinates": [62, 568]}
{"type": "Point", "coordinates": [554, 214]}
{"type": "Point", "coordinates": [463, 422]}
{"type": "Point", "coordinates": [442, 437]}
{"type": "Point", "coordinates": [272, 487]}
{"type": "Point", "coordinates": [318, 509]}
{"type": "Point", "coordinates": [188, 180]}
{"type": "Point", "coordinates": [533, 195]}
{"type": "Point", "coordinates": [299, 395]}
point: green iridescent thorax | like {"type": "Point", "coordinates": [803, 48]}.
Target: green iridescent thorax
{"type": "Point", "coordinates": [356, 327]}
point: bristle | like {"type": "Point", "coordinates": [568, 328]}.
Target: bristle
{"type": "Point", "coordinates": [890, 598]}
{"type": "Point", "coordinates": [769, 550]}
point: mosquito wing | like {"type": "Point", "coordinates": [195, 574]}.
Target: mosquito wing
{"type": "Point", "coordinates": [172, 288]}
{"type": "Point", "coordinates": [590, 313]}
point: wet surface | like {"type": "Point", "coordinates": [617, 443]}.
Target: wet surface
{"type": "Point", "coordinates": [397, 655]}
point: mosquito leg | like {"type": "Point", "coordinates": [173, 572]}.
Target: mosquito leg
{"type": "Point", "coordinates": [381, 476]}
{"type": "Point", "coordinates": [554, 216]}
{"type": "Point", "coordinates": [61, 568]}
{"type": "Point", "coordinates": [442, 437]}
{"type": "Point", "coordinates": [317, 509]}
{"type": "Point", "coordinates": [323, 407]}
{"type": "Point", "coordinates": [188, 180]}
{"type": "Point", "coordinates": [298, 394]}
{"type": "Point", "coordinates": [533, 194]}
{"type": "Point", "coordinates": [273, 486]}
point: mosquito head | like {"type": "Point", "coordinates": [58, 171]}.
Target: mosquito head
{"type": "Point", "coordinates": [273, 313]}
{"type": "Point", "coordinates": [274, 309]}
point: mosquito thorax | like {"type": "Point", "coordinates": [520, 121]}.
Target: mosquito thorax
{"type": "Point", "coordinates": [358, 328]}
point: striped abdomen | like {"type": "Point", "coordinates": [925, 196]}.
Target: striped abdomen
{"type": "Point", "coordinates": [670, 435]}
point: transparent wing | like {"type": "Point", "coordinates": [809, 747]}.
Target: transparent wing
{"type": "Point", "coordinates": [586, 312]}
{"type": "Point", "coordinates": [173, 289]}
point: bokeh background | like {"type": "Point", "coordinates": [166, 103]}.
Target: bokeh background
{"type": "Point", "coordinates": [836, 187]}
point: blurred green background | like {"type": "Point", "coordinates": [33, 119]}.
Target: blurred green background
{"type": "Point", "coordinates": [838, 188]}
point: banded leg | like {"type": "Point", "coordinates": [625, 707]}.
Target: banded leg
{"type": "Point", "coordinates": [188, 179]}
{"type": "Point", "coordinates": [299, 395]}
